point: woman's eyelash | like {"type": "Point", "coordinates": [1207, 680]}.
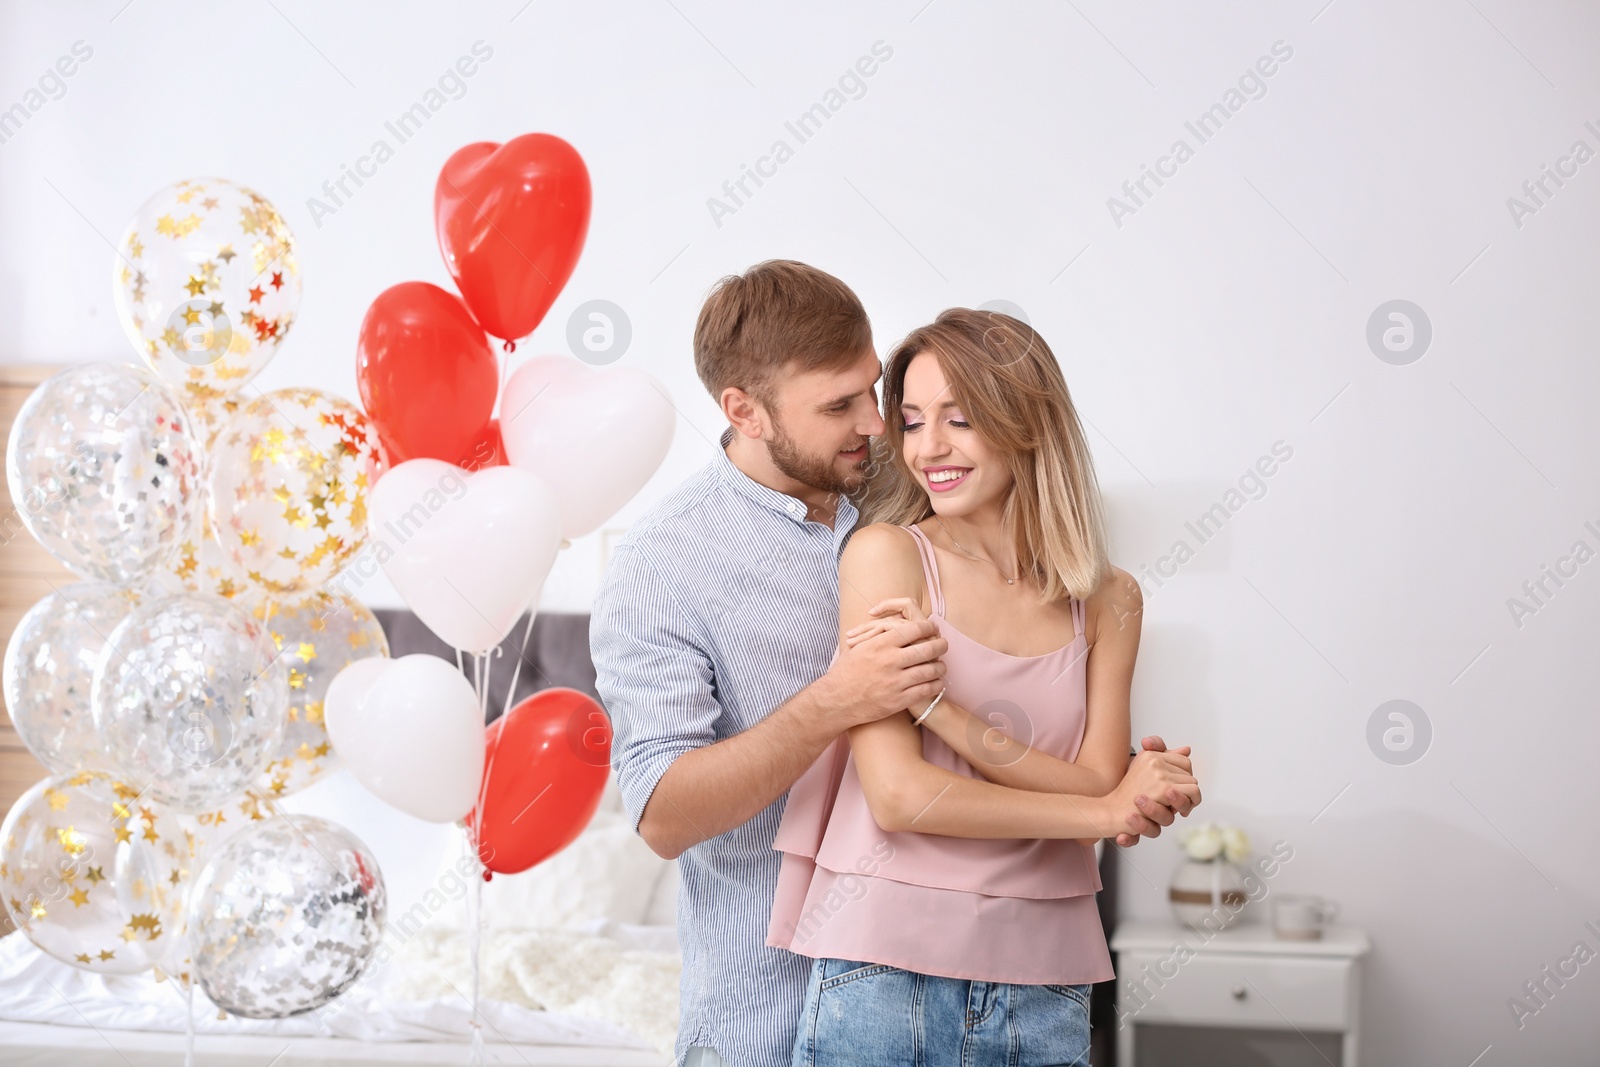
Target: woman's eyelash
{"type": "Point", "coordinates": [908, 427]}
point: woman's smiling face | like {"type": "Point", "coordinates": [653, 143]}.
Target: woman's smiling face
{"type": "Point", "coordinates": [949, 460]}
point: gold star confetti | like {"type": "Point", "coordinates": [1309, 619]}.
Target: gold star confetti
{"type": "Point", "coordinates": [71, 840]}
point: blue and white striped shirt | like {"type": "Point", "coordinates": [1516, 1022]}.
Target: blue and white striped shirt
{"type": "Point", "coordinates": [716, 608]}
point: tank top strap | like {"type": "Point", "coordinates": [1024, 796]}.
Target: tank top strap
{"type": "Point", "coordinates": [1077, 617]}
{"type": "Point", "coordinates": [930, 568]}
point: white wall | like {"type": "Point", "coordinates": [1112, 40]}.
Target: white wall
{"type": "Point", "coordinates": [1227, 313]}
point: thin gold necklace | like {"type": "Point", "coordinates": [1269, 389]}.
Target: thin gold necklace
{"type": "Point", "coordinates": [973, 555]}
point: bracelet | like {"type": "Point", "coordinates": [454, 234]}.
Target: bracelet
{"type": "Point", "coordinates": [929, 709]}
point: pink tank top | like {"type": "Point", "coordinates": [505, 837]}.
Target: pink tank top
{"type": "Point", "coordinates": [1014, 910]}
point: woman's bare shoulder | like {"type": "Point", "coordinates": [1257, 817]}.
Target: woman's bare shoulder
{"type": "Point", "coordinates": [885, 556]}
{"type": "Point", "coordinates": [1117, 603]}
{"type": "Point", "coordinates": [882, 540]}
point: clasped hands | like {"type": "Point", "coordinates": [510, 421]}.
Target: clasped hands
{"type": "Point", "coordinates": [1157, 786]}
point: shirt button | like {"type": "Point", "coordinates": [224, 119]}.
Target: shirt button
{"type": "Point", "coordinates": [792, 507]}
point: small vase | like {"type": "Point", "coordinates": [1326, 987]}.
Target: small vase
{"type": "Point", "coordinates": [1207, 895]}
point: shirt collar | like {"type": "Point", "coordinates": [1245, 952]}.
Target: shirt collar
{"type": "Point", "coordinates": [790, 507]}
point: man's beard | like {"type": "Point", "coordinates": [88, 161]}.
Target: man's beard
{"type": "Point", "coordinates": [816, 472]}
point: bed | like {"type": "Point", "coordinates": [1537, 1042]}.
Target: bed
{"type": "Point", "coordinates": [580, 961]}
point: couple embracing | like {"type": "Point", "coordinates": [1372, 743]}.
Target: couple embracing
{"type": "Point", "coordinates": [868, 674]}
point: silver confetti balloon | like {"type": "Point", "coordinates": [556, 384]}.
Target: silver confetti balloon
{"type": "Point", "coordinates": [191, 699]}
{"type": "Point", "coordinates": [49, 673]}
{"type": "Point", "coordinates": [285, 916]}
{"type": "Point", "coordinates": [102, 469]}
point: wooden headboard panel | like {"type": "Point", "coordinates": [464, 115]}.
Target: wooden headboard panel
{"type": "Point", "coordinates": [27, 574]}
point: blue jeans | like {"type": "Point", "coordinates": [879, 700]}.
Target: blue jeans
{"type": "Point", "coordinates": [858, 1012]}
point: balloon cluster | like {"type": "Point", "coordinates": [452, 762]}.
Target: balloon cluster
{"type": "Point", "coordinates": [186, 674]}
{"type": "Point", "coordinates": [480, 504]}
{"type": "Point", "coordinates": [511, 221]}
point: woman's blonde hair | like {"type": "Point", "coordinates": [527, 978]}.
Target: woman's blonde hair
{"type": "Point", "coordinates": [1010, 390]}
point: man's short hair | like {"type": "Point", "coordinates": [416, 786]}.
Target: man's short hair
{"type": "Point", "coordinates": [777, 313]}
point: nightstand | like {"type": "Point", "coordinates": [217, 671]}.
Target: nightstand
{"type": "Point", "coordinates": [1242, 977]}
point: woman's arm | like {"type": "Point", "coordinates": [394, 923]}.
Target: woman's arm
{"type": "Point", "coordinates": [905, 792]}
{"type": "Point", "coordinates": [1113, 613]}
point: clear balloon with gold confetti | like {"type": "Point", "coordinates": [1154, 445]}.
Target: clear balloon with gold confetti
{"type": "Point", "coordinates": [208, 416]}
{"type": "Point", "coordinates": [198, 565]}
{"type": "Point", "coordinates": [49, 673]}
{"type": "Point", "coordinates": [93, 873]}
{"type": "Point", "coordinates": [289, 478]}
{"type": "Point", "coordinates": [317, 636]}
{"type": "Point", "coordinates": [207, 284]}
{"type": "Point", "coordinates": [204, 834]}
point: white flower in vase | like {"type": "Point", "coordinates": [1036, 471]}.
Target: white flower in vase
{"type": "Point", "coordinates": [1208, 889]}
{"type": "Point", "coordinates": [1235, 844]}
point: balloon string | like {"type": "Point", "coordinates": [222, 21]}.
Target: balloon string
{"type": "Point", "coordinates": [505, 368]}
{"type": "Point", "coordinates": [481, 663]}
{"type": "Point", "coordinates": [476, 1059]}
{"type": "Point", "coordinates": [188, 1030]}
{"type": "Point", "coordinates": [516, 671]}
{"type": "Point", "coordinates": [511, 693]}
{"type": "Point", "coordinates": [511, 696]}
{"type": "Point", "coordinates": [474, 938]}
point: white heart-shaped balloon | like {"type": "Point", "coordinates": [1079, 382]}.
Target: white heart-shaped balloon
{"type": "Point", "coordinates": [596, 436]}
{"type": "Point", "coordinates": [468, 551]}
{"type": "Point", "coordinates": [533, 377]}
{"type": "Point", "coordinates": [411, 732]}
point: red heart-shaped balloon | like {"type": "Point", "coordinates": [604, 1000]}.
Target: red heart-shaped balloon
{"type": "Point", "coordinates": [511, 220]}
{"type": "Point", "coordinates": [545, 769]}
{"type": "Point", "coordinates": [427, 375]}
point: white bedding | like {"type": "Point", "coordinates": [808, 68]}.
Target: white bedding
{"type": "Point", "coordinates": [540, 987]}
{"type": "Point", "coordinates": [570, 972]}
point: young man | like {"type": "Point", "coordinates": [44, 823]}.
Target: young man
{"type": "Point", "coordinates": [713, 632]}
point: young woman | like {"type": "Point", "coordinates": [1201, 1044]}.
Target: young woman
{"type": "Point", "coordinates": [939, 864]}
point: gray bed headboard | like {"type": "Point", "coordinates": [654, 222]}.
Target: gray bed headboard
{"type": "Point", "coordinates": [557, 652]}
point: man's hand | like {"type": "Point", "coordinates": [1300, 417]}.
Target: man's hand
{"type": "Point", "coordinates": [894, 667]}
{"type": "Point", "coordinates": [1176, 802]}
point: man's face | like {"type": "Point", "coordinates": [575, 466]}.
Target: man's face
{"type": "Point", "coordinates": [821, 422]}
